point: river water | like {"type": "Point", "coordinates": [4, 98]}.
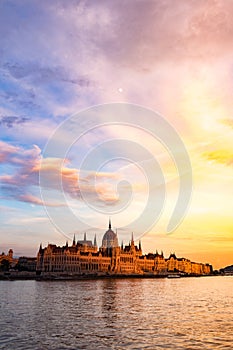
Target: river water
{"type": "Point", "coordinates": [185, 313]}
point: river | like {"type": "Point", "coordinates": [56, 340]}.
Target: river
{"type": "Point", "coordinates": [184, 313]}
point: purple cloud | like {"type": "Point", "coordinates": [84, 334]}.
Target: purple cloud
{"type": "Point", "coordinates": [11, 121]}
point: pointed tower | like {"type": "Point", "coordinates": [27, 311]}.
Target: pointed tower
{"type": "Point", "coordinates": [132, 239]}
{"type": "Point", "coordinates": [95, 242]}
{"type": "Point", "coordinates": [40, 247]}
{"type": "Point", "coordinates": [122, 244]}
{"type": "Point", "coordinates": [74, 240]}
{"type": "Point", "coordinates": [140, 245]}
{"type": "Point", "coordinates": [85, 237]}
{"type": "Point", "coordinates": [109, 224]}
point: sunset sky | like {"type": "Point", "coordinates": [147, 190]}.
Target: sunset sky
{"type": "Point", "coordinates": [58, 58]}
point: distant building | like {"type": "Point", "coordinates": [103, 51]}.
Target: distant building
{"type": "Point", "coordinates": [26, 264]}
{"type": "Point", "coordinates": [186, 266]}
{"type": "Point", "coordinates": [7, 260]}
{"type": "Point", "coordinates": [84, 257]}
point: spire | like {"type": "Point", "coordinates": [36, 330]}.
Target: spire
{"type": "Point", "coordinates": [132, 239]}
{"type": "Point", "coordinates": [66, 243]}
{"type": "Point", "coordinates": [140, 245]}
{"type": "Point", "coordinates": [85, 237]}
{"type": "Point", "coordinates": [161, 253]}
{"type": "Point", "coordinates": [95, 242]}
{"type": "Point", "coordinates": [40, 247]}
{"type": "Point", "coordinates": [110, 224]}
{"type": "Point", "coordinates": [122, 245]}
{"type": "Point", "coordinates": [74, 239]}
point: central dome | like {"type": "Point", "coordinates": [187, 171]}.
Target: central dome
{"type": "Point", "coordinates": [110, 238]}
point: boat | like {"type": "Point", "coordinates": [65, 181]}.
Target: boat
{"type": "Point", "coordinates": [173, 275]}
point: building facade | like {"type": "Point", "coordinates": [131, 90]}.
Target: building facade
{"type": "Point", "coordinates": [84, 257]}
{"type": "Point", "coordinates": [7, 261]}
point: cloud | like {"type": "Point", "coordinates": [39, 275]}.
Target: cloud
{"type": "Point", "coordinates": [53, 172]}
{"type": "Point", "coordinates": [142, 34]}
{"type": "Point", "coordinates": [135, 46]}
{"type": "Point", "coordinates": [10, 121]}
{"type": "Point", "coordinates": [22, 177]}
{"type": "Point", "coordinates": [220, 156]}
{"type": "Point", "coordinates": [19, 156]}
{"type": "Point", "coordinates": [6, 150]}
{"type": "Point", "coordinates": [39, 74]}
{"type": "Point", "coordinates": [32, 220]}
{"type": "Point", "coordinates": [227, 122]}
{"type": "Point", "coordinates": [30, 172]}
{"type": "Point", "coordinates": [94, 186]}
{"type": "Point", "coordinates": [29, 198]}
{"type": "Point", "coordinates": [28, 132]}
{"type": "Point", "coordinates": [4, 208]}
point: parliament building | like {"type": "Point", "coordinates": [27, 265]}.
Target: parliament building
{"type": "Point", "coordinates": [84, 258]}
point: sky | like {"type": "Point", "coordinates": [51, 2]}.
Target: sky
{"type": "Point", "coordinates": [170, 58]}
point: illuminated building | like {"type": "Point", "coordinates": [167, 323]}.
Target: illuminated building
{"type": "Point", "coordinates": [84, 258]}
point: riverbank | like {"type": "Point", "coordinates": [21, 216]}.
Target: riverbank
{"type": "Point", "coordinates": [26, 275]}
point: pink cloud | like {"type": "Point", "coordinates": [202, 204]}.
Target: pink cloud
{"type": "Point", "coordinates": [29, 198]}
{"type": "Point", "coordinates": [30, 169]}
{"type": "Point", "coordinates": [6, 150]}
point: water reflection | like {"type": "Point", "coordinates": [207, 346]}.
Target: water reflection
{"type": "Point", "coordinates": [109, 300]}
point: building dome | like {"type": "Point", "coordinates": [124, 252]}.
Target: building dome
{"type": "Point", "coordinates": [110, 238]}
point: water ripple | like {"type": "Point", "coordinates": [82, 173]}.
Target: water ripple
{"type": "Point", "coordinates": [190, 314]}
